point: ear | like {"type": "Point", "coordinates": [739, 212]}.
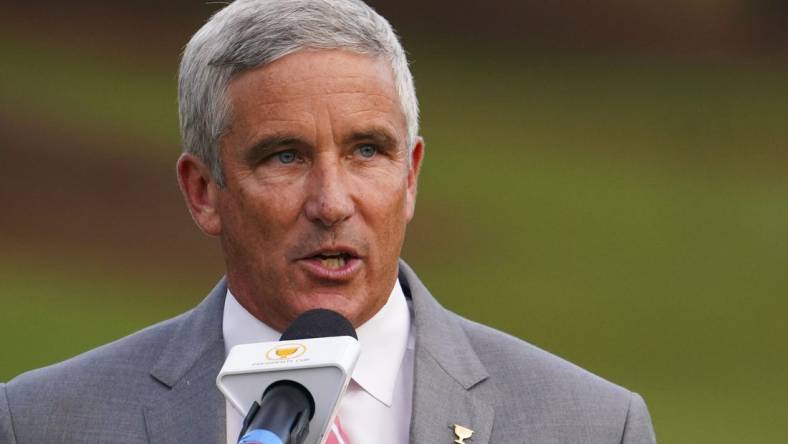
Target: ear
{"type": "Point", "coordinates": [416, 156]}
{"type": "Point", "coordinates": [200, 192]}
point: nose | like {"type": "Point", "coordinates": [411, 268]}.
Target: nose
{"type": "Point", "coordinates": [329, 201]}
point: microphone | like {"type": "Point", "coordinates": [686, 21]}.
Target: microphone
{"type": "Point", "coordinates": [303, 375]}
{"type": "Point", "coordinates": [283, 414]}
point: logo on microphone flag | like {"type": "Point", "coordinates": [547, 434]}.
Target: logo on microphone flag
{"type": "Point", "coordinates": [285, 351]}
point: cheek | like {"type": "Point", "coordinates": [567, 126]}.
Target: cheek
{"type": "Point", "coordinates": [390, 212]}
{"type": "Point", "coordinates": [384, 199]}
{"type": "Point", "coordinates": [256, 216]}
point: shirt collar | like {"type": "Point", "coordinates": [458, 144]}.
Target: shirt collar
{"type": "Point", "coordinates": [240, 327]}
{"type": "Point", "coordinates": [384, 339]}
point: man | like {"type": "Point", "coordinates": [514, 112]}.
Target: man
{"type": "Point", "coordinates": [299, 121]}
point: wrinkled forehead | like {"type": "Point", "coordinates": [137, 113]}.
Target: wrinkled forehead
{"type": "Point", "coordinates": [319, 68]}
{"type": "Point", "coordinates": [348, 82]}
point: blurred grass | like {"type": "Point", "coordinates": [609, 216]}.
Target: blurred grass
{"type": "Point", "coordinates": [628, 214]}
{"type": "Point", "coordinates": [90, 92]}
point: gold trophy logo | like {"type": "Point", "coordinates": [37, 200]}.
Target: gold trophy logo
{"type": "Point", "coordinates": [285, 351]}
{"type": "Point", "coordinates": [462, 434]}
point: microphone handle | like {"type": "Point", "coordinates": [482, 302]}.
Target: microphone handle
{"type": "Point", "coordinates": [282, 417]}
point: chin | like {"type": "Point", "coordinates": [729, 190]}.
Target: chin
{"type": "Point", "coordinates": [336, 302]}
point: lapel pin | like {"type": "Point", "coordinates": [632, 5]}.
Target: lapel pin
{"type": "Point", "coordinates": [462, 434]}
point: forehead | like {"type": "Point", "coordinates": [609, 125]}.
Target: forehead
{"type": "Point", "coordinates": [348, 86]}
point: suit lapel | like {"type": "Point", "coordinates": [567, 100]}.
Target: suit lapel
{"type": "Point", "coordinates": [192, 409]}
{"type": "Point", "coordinates": [446, 370]}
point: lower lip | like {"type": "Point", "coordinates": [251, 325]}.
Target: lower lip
{"type": "Point", "coordinates": [345, 273]}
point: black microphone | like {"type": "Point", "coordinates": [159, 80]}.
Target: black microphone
{"type": "Point", "coordinates": [283, 413]}
{"type": "Point", "coordinates": [319, 323]}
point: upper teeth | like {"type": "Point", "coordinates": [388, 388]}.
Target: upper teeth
{"type": "Point", "coordinates": [333, 262]}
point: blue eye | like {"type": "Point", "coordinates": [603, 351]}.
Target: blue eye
{"type": "Point", "coordinates": [286, 157]}
{"type": "Point", "coordinates": [367, 151]}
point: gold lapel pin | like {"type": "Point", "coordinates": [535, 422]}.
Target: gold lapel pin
{"type": "Point", "coordinates": [462, 434]}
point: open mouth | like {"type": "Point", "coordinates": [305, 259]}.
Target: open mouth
{"type": "Point", "coordinates": [333, 260]}
{"type": "Point", "coordinates": [334, 263]}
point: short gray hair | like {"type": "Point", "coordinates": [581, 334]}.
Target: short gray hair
{"type": "Point", "coordinates": [251, 33]}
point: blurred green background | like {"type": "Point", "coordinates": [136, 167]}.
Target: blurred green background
{"type": "Point", "coordinates": [607, 180]}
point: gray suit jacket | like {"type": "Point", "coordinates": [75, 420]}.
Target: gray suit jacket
{"type": "Point", "coordinates": [157, 386]}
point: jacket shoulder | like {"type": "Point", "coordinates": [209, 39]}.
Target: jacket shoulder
{"type": "Point", "coordinates": [106, 384]}
{"type": "Point", "coordinates": [513, 357]}
{"type": "Point", "coordinates": [121, 358]}
{"type": "Point", "coordinates": [541, 392]}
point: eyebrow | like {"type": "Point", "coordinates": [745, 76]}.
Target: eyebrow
{"type": "Point", "coordinates": [268, 145]}
{"type": "Point", "coordinates": [378, 136]}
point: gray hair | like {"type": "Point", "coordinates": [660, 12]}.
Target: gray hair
{"type": "Point", "coordinates": [251, 33]}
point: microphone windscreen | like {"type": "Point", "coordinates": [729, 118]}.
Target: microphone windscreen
{"type": "Point", "coordinates": [319, 323]}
